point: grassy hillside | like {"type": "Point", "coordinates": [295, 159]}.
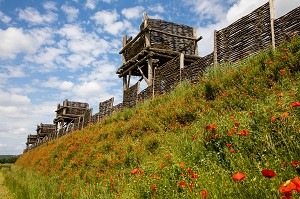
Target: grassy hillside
{"type": "Point", "coordinates": [234, 135]}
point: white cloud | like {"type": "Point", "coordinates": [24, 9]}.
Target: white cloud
{"type": "Point", "coordinates": [133, 13]}
{"type": "Point", "coordinates": [108, 21]}
{"type": "Point", "coordinates": [33, 16]}
{"type": "Point", "coordinates": [55, 82]}
{"type": "Point", "coordinates": [71, 12]}
{"type": "Point", "coordinates": [15, 40]}
{"type": "Point", "coordinates": [3, 145]}
{"type": "Point", "coordinates": [8, 99]}
{"type": "Point", "coordinates": [4, 18]}
{"type": "Point", "coordinates": [50, 5]}
{"type": "Point", "coordinates": [91, 4]}
{"type": "Point", "coordinates": [157, 8]}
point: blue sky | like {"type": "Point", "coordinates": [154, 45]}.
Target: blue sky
{"type": "Point", "coordinates": [56, 50]}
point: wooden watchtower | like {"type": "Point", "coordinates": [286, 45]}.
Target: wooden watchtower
{"type": "Point", "coordinates": [46, 131]}
{"type": "Point", "coordinates": [31, 140]}
{"type": "Point", "coordinates": [157, 43]}
{"type": "Point", "coordinates": [67, 113]}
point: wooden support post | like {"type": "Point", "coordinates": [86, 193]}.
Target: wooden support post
{"type": "Point", "coordinates": [147, 32]}
{"type": "Point", "coordinates": [150, 71]}
{"type": "Point", "coordinates": [124, 44]}
{"type": "Point", "coordinates": [181, 60]}
{"type": "Point", "coordinates": [272, 18]}
{"type": "Point", "coordinates": [215, 49]}
{"type": "Point", "coordinates": [129, 76]}
{"type": "Point", "coordinates": [125, 83]}
{"type": "Point", "coordinates": [196, 45]}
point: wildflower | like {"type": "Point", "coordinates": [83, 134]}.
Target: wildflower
{"type": "Point", "coordinates": [236, 124]}
{"type": "Point", "coordinates": [294, 104]}
{"type": "Point", "coordinates": [189, 170]}
{"type": "Point", "coordinates": [280, 95]}
{"type": "Point", "coordinates": [134, 171]}
{"type": "Point", "coordinates": [244, 132]}
{"type": "Point", "coordinates": [181, 164]}
{"type": "Point", "coordinates": [212, 127]}
{"type": "Point", "coordinates": [284, 115]}
{"type": "Point", "coordinates": [251, 113]}
{"type": "Point", "coordinates": [296, 181]}
{"type": "Point", "coordinates": [283, 164]}
{"type": "Point", "coordinates": [153, 187]}
{"type": "Point", "coordinates": [62, 188]}
{"type": "Point", "coordinates": [268, 173]}
{"type": "Point", "coordinates": [182, 184]}
{"type": "Point", "coordinates": [284, 57]}
{"type": "Point", "coordinates": [271, 62]}
{"type": "Point", "coordinates": [194, 176]}
{"type": "Point", "coordinates": [204, 193]}
{"type": "Point", "coordinates": [295, 163]}
{"type": "Point", "coordinates": [231, 150]}
{"type": "Point", "coordinates": [231, 117]}
{"type": "Point", "coordinates": [282, 71]}
{"type": "Point", "coordinates": [193, 137]}
{"type": "Point", "coordinates": [287, 187]}
{"type": "Point", "coordinates": [228, 144]}
{"type": "Point", "coordinates": [181, 174]}
{"type": "Point", "coordinates": [279, 103]}
{"type": "Point", "coordinates": [273, 118]}
{"type": "Point", "coordinates": [169, 156]}
{"type": "Point", "coordinates": [238, 176]}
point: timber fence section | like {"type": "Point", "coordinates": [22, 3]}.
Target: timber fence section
{"type": "Point", "coordinates": [247, 35]}
{"type": "Point", "coordinates": [287, 25]}
{"type": "Point", "coordinates": [130, 96]}
{"type": "Point", "coordinates": [167, 76]}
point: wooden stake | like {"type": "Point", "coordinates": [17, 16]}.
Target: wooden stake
{"type": "Point", "coordinates": [196, 45]}
{"type": "Point", "coordinates": [272, 18]}
{"type": "Point", "coordinates": [147, 33]}
{"type": "Point", "coordinates": [215, 49]}
{"type": "Point", "coordinates": [150, 71]}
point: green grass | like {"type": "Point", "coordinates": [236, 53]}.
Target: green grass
{"type": "Point", "coordinates": [240, 118]}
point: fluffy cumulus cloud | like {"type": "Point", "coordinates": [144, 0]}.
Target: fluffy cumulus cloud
{"type": "Point", "coordinates": [50, 5]}
{"type": "Point", "coordinates": [108, 20]}
{"type": "Point", "coordinates": [4, 18]}
{"type": "Point", "coordinates": [71, 12]}
{"type": "Point", "coordinates": [157, 8]}
{"type": "Point", "coordinates": [55, 82]}
{"type": "Point", "coordinates": [8, 99]}
{"type": "Point", "coordinates": [34, 16]}
{"type": "Point", "coordinates": [133, 13]}
{"type": "Point", "coordinates": [16, 40]}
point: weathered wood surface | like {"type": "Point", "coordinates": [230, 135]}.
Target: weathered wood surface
{"type": "Point", "coordinates": [130, 96]}
{"type": "Point", "coordinates": [247, 35]}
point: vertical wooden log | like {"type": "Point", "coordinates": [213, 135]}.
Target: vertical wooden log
{"type": "Point", "coordinates": [196, 46]}
{"type": "Point", "coordinates": [147, 32]}
{"type": "Point", "coordinates": [129, 76]}
{"type": "Point", "coordinates": [124, 44]}
{"type": "Point", "coordinates": [215, 49]}
{"type": "Point", "coordinates": [150, 72]}
{"type": "Point", "coordinates": [153, 82]}
{"type": "Point", "coordinates": [125, 83]}
{"type": "Point", "coordinates": [181, 60]}
{"type": "Point", "coordinates": [272, 18]}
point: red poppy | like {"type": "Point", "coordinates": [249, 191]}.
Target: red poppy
{"type": "Point", "coordinates": [229, 145]}
{"type": "Point", "coordinates": [182, 184]}
{"type": "Point", "coordinates": [284, 57]}
{"type": "Point", "coordinates": [212, 127]}
{"type": "Point", "coordinates": [204, 193]}
{"type": "Point", "coordinates": [189, 170]}
{"type": "Point", "coordinates": [181, 164]}
{"type": "Point", "coordinates": [238, 176]}
{"type": "Point", "coordinates": [236, 124]}
{"type": "Point", "coordinates": [134, 171]}
{"type": "Point", "coordinates": [153, 187]}
{"type": "Point", "coordinates": [194, 176]}
{"type": "Point", "coordinates": [231, 150]}
{"type": "Point", "coordinates": [273, 118]}
{"type": "Point", "coordinates": [282, 71]}
{"type": "Point", "coordinates": [232, 117]}
{"type": "Point", "coordinates": [294, 104]}
{"type": "Point", "coordinates": [169, 156]}
{"type": "Point", "coordinates": [251, 113]}
{"type": "Point", "coordinates": [268, 173]}
{"type": "Point", "coordinates": [244, 132]}
{"type": "Point", "coordinates": [287, 187]}
{"type": "Point", "coordinates": [296, 181]}
{"type": "Point", "coordinates": [193, 137]}
{"type": "Point", "coordinates": [295, 163]}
